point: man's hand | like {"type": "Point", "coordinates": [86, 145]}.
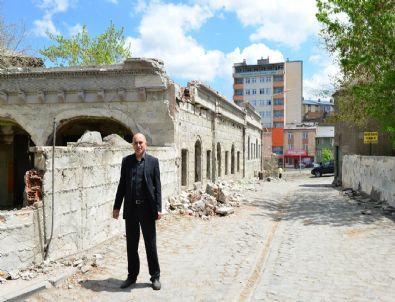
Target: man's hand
{"type": "Point", "coordinates": [159, 216]}
{"type": "Point", "coordinates": [115, 214]}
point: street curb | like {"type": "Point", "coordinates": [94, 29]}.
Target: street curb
{"type": "Point", "coordinates": [24, 292]}
{"type": "Point", "coordinates": [28, 290]}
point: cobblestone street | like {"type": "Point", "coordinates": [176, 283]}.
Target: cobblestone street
{"type": "Point", "coordinates": [293, 240]}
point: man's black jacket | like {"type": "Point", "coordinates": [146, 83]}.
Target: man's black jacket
{"type": "Point", "coordinates": [151, 181]}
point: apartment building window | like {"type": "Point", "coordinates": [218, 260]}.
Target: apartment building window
{"type": "Point", "coordinates": [269, 102]}
{"type": "Point", "coordinates": [305, 135]}
{"type": "Point", "coordinates": [239, 81]}
{"type": "Point", "coordinates": [262, 79]}
{"type": "Point", "coordinates": [267, 90]}
{"type": "Point", "coordinates": [239, 92]}
{"type": "Point", "coordinates": [261, 90]}
{"type": "Point", "coordinates": [253, 80]}
{"type": "Point", "coordinates": [268, 79]}
{"type": "Point", "coordinates": [278, 78]}
{"type": "Point", "coordinates": [278, 125]}
{"type": "Point", "coordinates": [278, 101]}
{"type": "Point", "coordinates": [278, 89]}
{"type": "Point", "coordinates": [278, 150]}
{"type": "Point", "coordinates": [278, 113]}
{"type": "Point", "coordinates": [290, 136]}
{"type": "Point", "coordinates": [290, 147]}
{"type": "Point", "coordinates": [253, 91]}
{"type": "Point", "coordinates": [248, 92]}
{"type": "Point", "coordinates": [306, 147]}
{"type": "Point", "coordinates": [247, 80]}
{"type": "Point", "coordinates": [253, 103]}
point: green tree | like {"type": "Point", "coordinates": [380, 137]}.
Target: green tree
{"type": "Point", "coordinates": [361, 35]}
{"type": "Point", "coordinates": [327, 154]}
{"type": "Point", "coordinates": [107, 48]}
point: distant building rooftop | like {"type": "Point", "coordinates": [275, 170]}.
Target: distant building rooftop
{"type": "Point", "coordinates": [317, 102]}
{"type": "Point", "coordinates": [325, 131]}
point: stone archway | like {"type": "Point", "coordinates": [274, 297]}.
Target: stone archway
{"type": "Point", "coordinates": [70, 130]}
{"type": "Point", "coordinates": [15, 160]}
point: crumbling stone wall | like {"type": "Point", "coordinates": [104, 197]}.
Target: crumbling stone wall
{"type": "Point", "coordinates": [204, 117]}
{"type": "Point", "coordinates": [373, 175]}
{"type": "Point", "coordinates": [134, 93]}
{"type": "Point", "coordinates": [20, 237]}
{"type": "Point", "coordinates": [86, 180]}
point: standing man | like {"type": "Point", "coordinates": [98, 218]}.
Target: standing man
{"type": "Point", "coordinates": [140, 189]}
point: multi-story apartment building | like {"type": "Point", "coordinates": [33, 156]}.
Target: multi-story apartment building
{"type": "Point", "coordinates": [317, 110]}
{"type": "Point", "coordinates": [275, 90]}
{"type": "Point", "coordinates": [299, 145]}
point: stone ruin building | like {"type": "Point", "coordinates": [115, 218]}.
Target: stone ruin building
{"type": "Point", "coordinates": [65, 197]}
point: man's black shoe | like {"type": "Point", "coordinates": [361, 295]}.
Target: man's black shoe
{"type": "Point", "coordinates": [156, 284]}
{"type": "Point", "coordinates": [128, 282]}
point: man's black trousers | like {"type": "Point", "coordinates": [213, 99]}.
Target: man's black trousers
{"type": "Point", "coordinates": [141, 216]}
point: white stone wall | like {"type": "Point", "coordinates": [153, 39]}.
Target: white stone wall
{"type": "Point", "coordinates": [134, 93]}
{"type": "Point", "coordinates": [86, 180]}
{"type": "Point", "coordinates": [374, 175]}
{"type": "Point", "coordinates": [20, 242]}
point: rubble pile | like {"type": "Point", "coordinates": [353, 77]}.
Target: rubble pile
{"type": "Point", "coordinates": [218, 199]}
{"type": "Point", "coordinates": [83, 263]}
{"type": "Point", "coordinates": [369, 205]}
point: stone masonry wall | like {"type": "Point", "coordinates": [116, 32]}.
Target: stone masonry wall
{"type": "Point", "coordinates": [20, 238]}
{"type": "Point", "coordinates": [374, 175]}
{"type": "Point", "coordinates": [86, 180]}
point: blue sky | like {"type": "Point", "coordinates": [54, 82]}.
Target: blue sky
{"type": "Point", "coordinates": [196, 39]}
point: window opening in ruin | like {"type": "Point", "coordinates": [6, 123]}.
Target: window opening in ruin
{"type": "Point", "coordinates": [15, 160]}
{"type": "Point", "coordinates": [208, 166]}
{"type": "Point", "coordinates": [219, 158]}
{"type": "Point", "coordinates": [232, 160]}
{"type": "Point", "coordinates": [184, 167]}
{"type": "Point", "coordinates": [238, 161]}
{"type": "Point", "coordinates": [257, 149]}
{"type": "Point", "coordinates": [72, 129]}
{"type": "Point", "coordinates": [226, 162]}
{"type": "Point", "coordinates": [198, 161]}
{"type": "Point", "coordinates": [248, 148]}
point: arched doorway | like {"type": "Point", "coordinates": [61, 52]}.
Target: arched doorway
{"type": "Point", "coordinates": [72, 129]}
{"type": "Point", "coordinates": [219, 159]}
{"type": "Point", "coordinates": [198, 161]}
{"type": "Point", "coordinates": [232, 160]}
{"type": "Point", "coordinates": [15, 160]}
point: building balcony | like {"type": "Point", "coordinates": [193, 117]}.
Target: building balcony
{"type": "Point", "coordinates": [278, 84]}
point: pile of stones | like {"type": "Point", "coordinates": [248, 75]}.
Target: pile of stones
{"type": "Point", "coordinates": [218, 199]}
{"type": "Point", "coordinates": [82, 263]}
{"type": "Point", "coordinates": [368, 204]}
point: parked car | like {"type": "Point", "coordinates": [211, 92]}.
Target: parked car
{"type": "Point", "coordinates": [325, 168]}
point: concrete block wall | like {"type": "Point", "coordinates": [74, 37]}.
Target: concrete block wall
{"type": "Point", "coordinates": [86, 180]}
{"type": "Point", "coordinates": [374, 175]}
{"type": "Point", "coordinates": [20, 241]}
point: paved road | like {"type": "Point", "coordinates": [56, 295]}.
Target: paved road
{"type": "Point", "coordinates": [294, 240]}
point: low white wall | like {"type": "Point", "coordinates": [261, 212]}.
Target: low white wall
{"type": "Point", "coordinates": [86, 180]}
{"type": "Point", "coordinates": [20, 242]}
{"type": "Point", "coordinates": [374, 175]}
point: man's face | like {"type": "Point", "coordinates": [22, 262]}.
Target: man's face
{"type": "Point", "coordinates": [139, 144]}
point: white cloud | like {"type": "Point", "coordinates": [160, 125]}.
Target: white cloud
{"type": "Point", "coordinates": [113, 1]}
{"type": "Point", "coordinates": [41, 27]}
{"type": "Point", "coordinates": [54, 6]}
{"type": "Point", "coordinates": [183, 56]}
{"type": "Point", "coordinates": [321, 84]}
{"type": "Point", "coordinates": [74, 30]}
{"type": "Point", "coordinates": [50, 7]}
{"type": "Point", "coordinates": [283, 21]}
